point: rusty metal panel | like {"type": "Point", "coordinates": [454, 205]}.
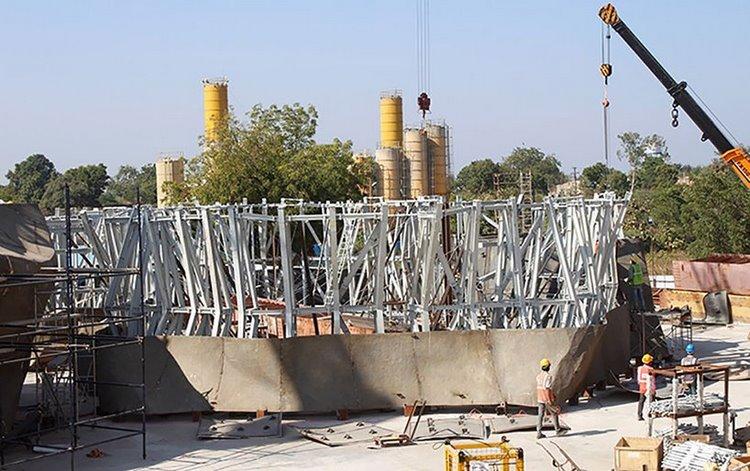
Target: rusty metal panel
{"type": "Point", "coordinates": [724, 272]}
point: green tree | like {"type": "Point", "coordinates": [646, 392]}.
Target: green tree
{"type": "Point", "coordinates": [27, 180]}
{"type": "Point", "coordinates": [123, 188]}
{"type": "Point", "coordinates": [272, 156]}
{"type": "Point", "coordinates": [545, 168]}
{"type": "Point", "coordinates": [86, 183]}
{"type": "Point", "coordinates": [598, 178]}
{"type": "Point", "coordinates": [634, 148]}
{"type": "Point", "coordinates": [321, 172]}
{"type": "Point", "coordinates": [476, 180]}
{"type": "Point", "coordinates": [716, 212]}
{"type": "Point", "coordinates": [655, 171]}
{"type": "Point", "coordinates": [6, 195]}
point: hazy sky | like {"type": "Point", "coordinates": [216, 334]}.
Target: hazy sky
{"type": "Point", "coordinates": [119, 82]}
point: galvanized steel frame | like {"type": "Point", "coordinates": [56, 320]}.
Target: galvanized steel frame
{"type": "Point", "coordinates": [415, 265]}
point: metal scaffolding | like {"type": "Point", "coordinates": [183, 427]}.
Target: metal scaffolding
{"type": "Point", "coordinates": [70, 325]}
{"type": "Point", "coordinates": [418, 265]}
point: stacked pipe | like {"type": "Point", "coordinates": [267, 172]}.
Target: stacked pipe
{"type": "Point", "coordinates": [694, 456]}
{"type": "Point", "coordinates": [688, 403]}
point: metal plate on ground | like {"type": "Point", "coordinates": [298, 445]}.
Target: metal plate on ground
{"type": "Point", "coordinates": [222, 426]}
{"type": "Point", "coordinates": [516, 423]}
{"type": "Point", "coordinates": [344, 434]}
{"type": "Point", "coordinates": [440, 429]}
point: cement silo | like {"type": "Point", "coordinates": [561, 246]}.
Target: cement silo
{"type": "Point", "coordinates": [215, 107]}
{"type": "Point", "coordinates": [168, 169]}
{"type": "Point", "coordinates": [416, 154]}
{"type": "Point", "coordinates": [389, 162]}
{"type": "Point", "coordinates": [438, 156]}
{"type": "Point", "coordinates": [391, 119]}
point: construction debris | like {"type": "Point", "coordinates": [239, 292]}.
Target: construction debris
{"type": "Point", "coordinates": [694, 456]}
{"type": "Point", "coordinates": [345, 434]}
{"type": "Point", "coordinates": [223, 426]}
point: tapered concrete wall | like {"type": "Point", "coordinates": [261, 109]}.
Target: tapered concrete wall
{"type": "Point", "coordinates": [324, 373]}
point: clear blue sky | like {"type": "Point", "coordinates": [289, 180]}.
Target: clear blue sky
{"type": "Point", "coordinates": [119, 82]}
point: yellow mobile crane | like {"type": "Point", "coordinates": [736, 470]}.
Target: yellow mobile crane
{"type": "Point", "coordinates": [736, 157]}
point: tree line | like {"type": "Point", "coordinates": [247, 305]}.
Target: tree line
{"type": "Point", "coordinates": [36, 180]}
{"type": "Point", "coordinates": [269, 156]}
{"type": "Point", "coordinates": [673, 207]}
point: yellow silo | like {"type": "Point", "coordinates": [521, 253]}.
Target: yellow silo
{"type": "Point", "coordinates": [391, 119]}
{"type": "Point", "coordinates": [415, 152]}
{"type": "Point", "coordinates": [389, 162]}
{"type": "Point", "coordinates": [438, 153]}
{"type": "Point", "coordinates": [215, 107]}
{"type": "Point", "coordinates": [168, 169]}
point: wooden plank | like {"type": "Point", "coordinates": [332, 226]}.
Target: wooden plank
{"type": "Point", "coordinates": [740, 305]}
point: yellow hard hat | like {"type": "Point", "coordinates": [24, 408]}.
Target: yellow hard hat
{"type": "Point", "coordinates": [544, 363]}
{"type": "Point", "coordinates": [647, 359]}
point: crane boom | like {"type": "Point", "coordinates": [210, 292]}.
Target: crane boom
{"type": "Point", "coordinates": [735, 157]}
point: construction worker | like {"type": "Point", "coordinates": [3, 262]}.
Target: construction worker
{"type": "Point", "coordinates": [689, 380]}
{"type": "Point", "coordinates": [646, 383]}
{"type": "Point", "coordinates": [636, 283]}
{"type": "Point", "coordinates": [546, 399]}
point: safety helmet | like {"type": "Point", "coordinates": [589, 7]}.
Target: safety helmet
{"type": "Point", "coordinates": [647, 359]}
{"type": "Point", "coordinates": [544, 363]}
{"type": "Point", "coordinates": [690, 348]}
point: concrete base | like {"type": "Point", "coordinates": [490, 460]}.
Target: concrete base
{"type": "Point", "coordinates": [356, 372]}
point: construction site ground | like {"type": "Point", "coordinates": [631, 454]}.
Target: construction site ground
{"type": "Point", "coordinates": [596, 425]}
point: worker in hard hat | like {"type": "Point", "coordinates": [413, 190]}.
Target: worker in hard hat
{"type": "Point", "coordinates": [546, 399]}
{"type": "Point", "coordinates": [646, 383]}
{"type": "Point", "coordinates": [636, 280]}
{"type": "Point", "coordinates": [688, 381]}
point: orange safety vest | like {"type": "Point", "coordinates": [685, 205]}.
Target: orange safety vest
{"type": "Point", "coordinates": [544, 393]}
{"type": "Point", "coordinates": [646, 382]}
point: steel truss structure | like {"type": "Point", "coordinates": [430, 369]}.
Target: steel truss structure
{"type": "Point", "coordinates": [417, 265]}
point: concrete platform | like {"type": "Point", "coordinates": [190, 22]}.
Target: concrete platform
{"type": "Point", "coordinates": [596, 425]}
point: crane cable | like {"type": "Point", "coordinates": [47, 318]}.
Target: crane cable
{"type": "Point", "coordinates": [423, 45]}
{"type": "Point", "coordinates": [423, 56]}
{"type": "Point", "coordinates": [606, 71]}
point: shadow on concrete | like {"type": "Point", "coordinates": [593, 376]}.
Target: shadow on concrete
{"type": "Point", "coordinates": [168, 390]}
{"type": "Point", "coordinates": [586, 433]}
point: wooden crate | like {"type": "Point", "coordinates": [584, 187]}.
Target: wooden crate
{"type": "Point", "coordinates": [638, 454]}
{"type": "Point", "coordinates": [738, 461]}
